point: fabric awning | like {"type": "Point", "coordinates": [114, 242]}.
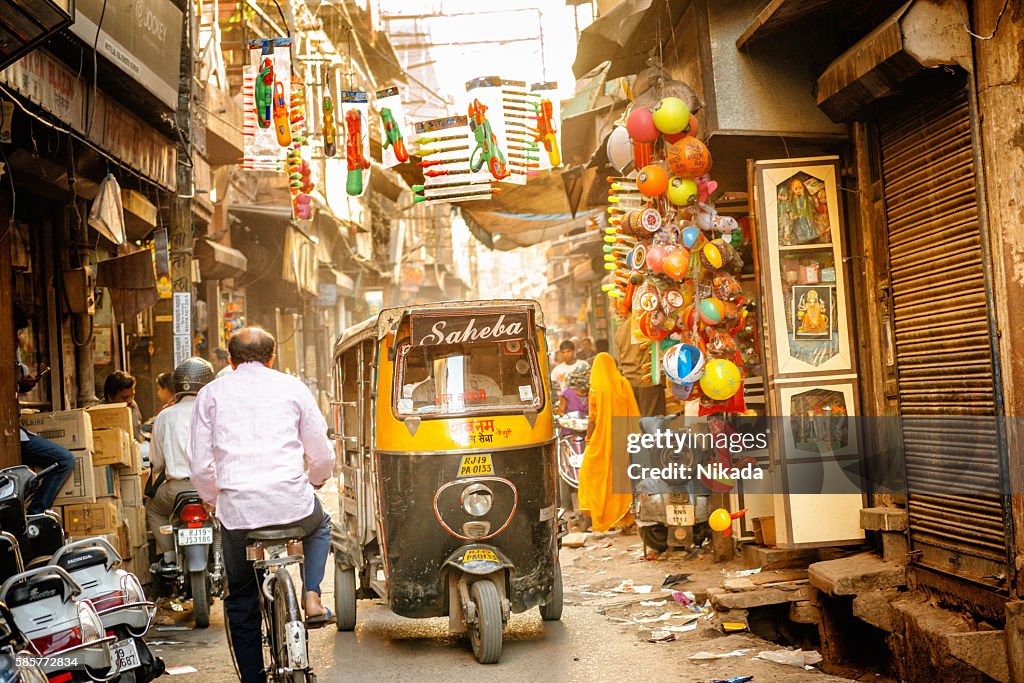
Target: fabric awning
{"type": "Point", "coordinates": [131, 280]}
{"type": "Point", "coordinates": [217, 261]}
{"type": "Point", "coordinates": [627, 35]}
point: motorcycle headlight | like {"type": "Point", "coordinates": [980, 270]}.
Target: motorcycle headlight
{"type": "Point", "coordinates": [90, 623]}
{"type": "Point", "coordinates": [477, 500]}
{"type": "Point", "coordinates": [132, 589]}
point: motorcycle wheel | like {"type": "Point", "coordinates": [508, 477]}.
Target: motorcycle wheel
{"type": "Point", "coordinates": [200, 598]}
{"type": "Point", "coordinates": [655, 537]}
{"type": "Point", "coordinates": [552, 609]}
{"type": "Point", "coordinates": [485, 634]}
{"type": "Point", "coordinates": [345, 598]}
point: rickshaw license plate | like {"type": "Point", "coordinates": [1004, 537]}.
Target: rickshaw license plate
{"type": "Point", "coordinates": [195, 536]}
{"type": "Point", "coordinates": [479, 555]}
{"type": "Point", "coordinates": [124, 655]}
{"type": "Point", "coordinates": [679, 515]}
{"type": "Point", "coordinates": [475, 465]}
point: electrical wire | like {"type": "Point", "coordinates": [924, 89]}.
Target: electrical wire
{"type": "Point", "coordinates": [999, 18]}
{"type": "Point", "coordinates": [95, 70]}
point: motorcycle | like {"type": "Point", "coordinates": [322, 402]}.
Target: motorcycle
{"type": "Point", "coordinates": [120, 603]}
{"type": "Point", "coordinates": [667, 510]}
{"type": "Point", "coordinates": [38, 536]}
{"type": "Point", "coordinates": [198, 572]}
{"type": "Point", "coordinates": [16, 663]}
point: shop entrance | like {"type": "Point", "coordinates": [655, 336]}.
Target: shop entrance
{"type": "Point", "coordinates": [940, 334]}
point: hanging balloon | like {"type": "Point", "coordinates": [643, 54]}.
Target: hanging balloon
{"type": "Point", "coordinates": [712, 311]}
{"type": "Point", "coordinates": [671, 115]}
{"type": "Point", "coordinates": [652, 181]}
{"type": "Point", "coordinates": [655, 258]}
{"type": "Point", "coordinates": [619, 148]}
{"type": "Point", "coordinates": [676, 263]}
{"type": "Point", "coordinates": [720, 520]}
{"type": "Point", "coordinates": [640, 124]}
{"type": "Point", "coordinates": [711, 256]}
{"type": "Point", "coordinates": [681, 190]}
{"type": "Point", "coordinates": [689, 158]}
{"type": "Point", "coordinates": [721, 380]}
{"type": "Point", "coordinates": [673, 139]}
{"type": "Point", "coordinates": [649, 326]}
{"type": "Point", "coordinates": [692, 237]}
{"type": "Point", "coordinates": [693, 130]}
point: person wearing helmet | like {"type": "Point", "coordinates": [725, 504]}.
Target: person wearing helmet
{"type": "Point", "coordinates": [167, 451]}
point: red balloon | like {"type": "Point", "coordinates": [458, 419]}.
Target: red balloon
{"type": "Point", "coordinates": [640, 125]}
{"type": "Point", "coordinates": [693, 129]}
{"type": "Point", "coordinates": [674, 137]}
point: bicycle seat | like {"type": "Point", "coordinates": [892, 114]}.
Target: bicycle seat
{"type": "Point", "coordinates": [275, 534]}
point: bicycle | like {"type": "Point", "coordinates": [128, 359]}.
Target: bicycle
{"type": "Point", "coordinates": [571, 446]}
{"type": "Point", "coordinates": [276, 555]}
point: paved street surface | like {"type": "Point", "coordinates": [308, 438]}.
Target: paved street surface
{"type": "Point", "coordinates": [591, 643]}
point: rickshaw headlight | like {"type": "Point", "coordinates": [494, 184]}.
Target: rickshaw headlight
{"type": "Point", "coordinates": [477, 500]}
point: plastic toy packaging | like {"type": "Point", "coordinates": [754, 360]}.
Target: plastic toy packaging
{"type": "Point", "coordinates": [547, 132]}
{"type": "Point", "coordinates": [486, 111]}
{"type": "Point", "coordinates": [392, 128]}
{"type": "Point", "coordinates": [355, 107]}
{"type": "Point", "coordinates": [266, 100]}
{"type": "Point", "coordinates": [443, 146]}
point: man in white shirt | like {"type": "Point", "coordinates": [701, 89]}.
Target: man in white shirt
{"type": "Point", "coordinates": [258, 448]}
{"type": "Point", "coordinates": [221, 364]}
{"type": "Point", "coordinates": [167, 450]}
{"type": "Point", "coordinates": [569, 362]}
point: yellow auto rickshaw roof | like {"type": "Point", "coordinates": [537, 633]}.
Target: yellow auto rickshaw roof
{"type": "Point", "coordinates": [379, 325]}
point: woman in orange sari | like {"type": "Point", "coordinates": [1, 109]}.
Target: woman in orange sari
{"type": "Point", "coordinates": [610, 397]}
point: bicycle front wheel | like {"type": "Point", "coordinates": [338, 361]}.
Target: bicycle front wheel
{"type": "Point", "coordinates": [289, 650]}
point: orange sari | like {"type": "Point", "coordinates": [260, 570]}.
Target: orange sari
{"type": "Point", "coordinates": [610, 396]}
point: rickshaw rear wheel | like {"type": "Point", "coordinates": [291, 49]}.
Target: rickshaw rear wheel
{"type": "Point", "coordinates": [485, 633]}
{"type": "Point", "coordinates": [552, 609]}
{"type": "Point", "coordinates": [345, 597]}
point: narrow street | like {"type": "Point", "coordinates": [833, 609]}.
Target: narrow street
{"type": "Point", "coordinates": [592, 641]}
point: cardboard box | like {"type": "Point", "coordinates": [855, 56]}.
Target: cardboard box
{"type": "Point", "coordinates": [135, 520]}
{"type": "Point", "coordinates": [139, 563]}
{"type": "Point", "coordinates": [136, 461]}
{"type": "Point", "coordinates": [80, 486]}
{"type": "Point", "coordinates": [108, 484]}
{"type": "Point", "coordinates": [111, 447]}
{"type": "Point", "coordinates": [112, 416]}
{"type": "Point", "coordinates": [125, 546]}
{"type": "Point", "coordinates": [91, 519]}
{"type": "Point", "coordinates": [132, 486]}
{"type": "Point", "coordinates": [71, 429]}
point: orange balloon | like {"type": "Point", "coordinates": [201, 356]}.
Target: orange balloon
{"type": "Point", "coordinates": [689, 158]}
{"type": "Point", "coordinates": [676, 264]}
{"type": "Point", "coordinates": [652, 181]}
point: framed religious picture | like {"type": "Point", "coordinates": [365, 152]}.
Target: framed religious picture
{"type": "Point", "coordinates": [812, 312]}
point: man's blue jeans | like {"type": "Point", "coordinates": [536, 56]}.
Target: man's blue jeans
{"type": "Point", "coordinates": [38, 452]}
{"type": "Point", "coordinates": [242, 605]}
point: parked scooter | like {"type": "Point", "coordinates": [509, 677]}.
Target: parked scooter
{"type": "Point", "coordinates": [16, 665]}
{"type": "Point", "coordinates": [198, 572]}
{"type": "Point", "coordinates": [38, 536]}
{"type": "Point", "coordinates": [120, 602]}
{"type": "Point", "coordinates": [666, 510]}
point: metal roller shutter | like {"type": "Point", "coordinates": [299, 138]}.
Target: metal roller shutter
{"type": "Point", "coordinates": [942, 338]}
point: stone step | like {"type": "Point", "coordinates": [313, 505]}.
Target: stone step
{"type": "Point", "coordinates": [856, 574]}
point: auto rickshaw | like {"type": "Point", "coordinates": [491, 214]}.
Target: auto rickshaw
{"type": "Point", "coordinates": [448, 480]}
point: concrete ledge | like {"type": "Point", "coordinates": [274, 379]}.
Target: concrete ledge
{"type": "Point", "coordinates": [856, 574]}
{"type": "Point", "coordinates": [873, 608]}
{"type": "Point", "coordinates": [983, 650]}
{"type": "Point", "coordinates": [883, 519]}
{"type": "Point", "coordinates": [758, 556]}
{"type": "Point", "coordinates": [724, 599]}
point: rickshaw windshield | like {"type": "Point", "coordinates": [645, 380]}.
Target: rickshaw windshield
{"type": "Point", "coordinates": [464, 378]}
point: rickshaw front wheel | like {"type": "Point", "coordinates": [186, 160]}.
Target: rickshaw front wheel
{"type": "Point", "coordinates": [552, 609]}
{"type": "Point", "coordinates": [485, 633]}
{"type": "Point", "coordinates": [345, 597]}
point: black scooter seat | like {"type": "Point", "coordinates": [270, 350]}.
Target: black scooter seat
{"type": "Point", "coordinates": [275, 534]}
{"type": "Point", "coordinates": [87, 557]}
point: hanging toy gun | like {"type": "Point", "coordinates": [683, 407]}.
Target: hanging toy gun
{"type": "Point", "coordinates": [354, 152]}
{"type": "Point", "coordinates": [487, 149]}
{"type": "Point", "coordinates": [546, 132]}
{"type": "Point", "coordinates": [393, 135]}
{"type": "Point", "coordinates": [265, 93]}
{"type": "Point", "coordinates": [330, 130]}
{"type": "Point", "coordinates": [282, 120]}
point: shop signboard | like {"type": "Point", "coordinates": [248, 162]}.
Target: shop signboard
{"type": "Point", "coordinates": [141, 37]}
{"type": "Point", "coordinates": [42, 79]}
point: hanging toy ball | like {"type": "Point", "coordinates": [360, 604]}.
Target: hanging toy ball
{"type": "Point", "coordinates": [681, 190]}
{"type": "Point", "coordinates": [692, 237]}
{"type": "Point", "coordinates": [670, 363]}
{"type": "Point", "coordinates": [712, 311]}
{"type": "Point", "coordinates": [711, 256]}
{"type": "Point", "coordinates": [671, 115]}
{"type": "Point", "coordinates": [619, 148]}
{"type": "Point", "coordinates": [720, 520]}
{"type": "Point", "coordinates": [640, 125]}
{"type": "Point", "coordinates": [689, 158]}
{"type": "Point", "coordinates": [673, 139]}
{"type": "Point", "coordinates": [656, 258]}
{"type": "Point", "coordinates": [676, 264]}
{"type": "Point", "coordinates": [652, 181]}
{"type": "Point", "coordinates": [721, 380]}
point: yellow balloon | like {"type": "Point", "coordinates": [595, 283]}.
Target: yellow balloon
{"type": "Point", "coordinates": [720, 520]}
{"type": "Point", "coordinates": [721, 379]}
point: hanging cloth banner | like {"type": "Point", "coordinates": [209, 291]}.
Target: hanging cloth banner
{"type": "Point", "coordinates": [266, 97]}
{"type": "Point", "coordinates": [392, 128]}
{"type": "Point", "coordinates": [355, 110]}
